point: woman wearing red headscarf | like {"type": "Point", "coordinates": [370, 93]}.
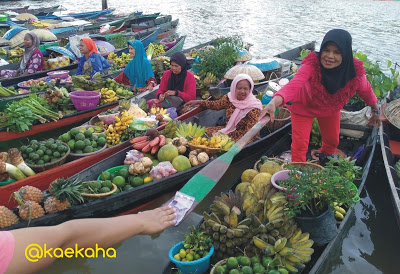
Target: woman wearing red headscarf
{"type": "Point", "coordinates": [242, 108]}
{"type": "Point", "coordinates": [91, 61]}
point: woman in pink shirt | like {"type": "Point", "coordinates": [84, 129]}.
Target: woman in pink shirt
{"type": "Point", "coordinates": [320, 88]}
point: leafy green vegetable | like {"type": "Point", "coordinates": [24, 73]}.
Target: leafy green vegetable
{"type": "Point", "coordinates": [17, 118]}
{"type": "Point", "coordinates": [218, 59]}
{"type": "Point", "coordinates": [119, 41]}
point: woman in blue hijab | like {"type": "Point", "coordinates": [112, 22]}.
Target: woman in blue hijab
{"type": "Point", "coordinates": [138, 73]}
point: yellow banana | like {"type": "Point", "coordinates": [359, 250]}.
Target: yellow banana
{"type": "Point", "coordinates": [303, 244]}
{"type": "Point", "coordinates": [304, 251]}
{"type": "Point", "coordinates": [233, 219]}
{"type": "Point", "coordinates": [280, 244]}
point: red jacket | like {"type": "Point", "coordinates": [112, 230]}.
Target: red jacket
{"type": "Point", "coordinates": [311, 99]}
{"type": "Point", "coordinates": [189, 88]}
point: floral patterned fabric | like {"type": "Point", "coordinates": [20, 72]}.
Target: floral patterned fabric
{"type": "Point", "coordinates": [241, 128]}
{"type": "Point", "coordinates": [35, 64]}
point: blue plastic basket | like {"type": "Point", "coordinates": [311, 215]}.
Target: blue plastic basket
{"type": "Point", "coordinates": [198, 266]}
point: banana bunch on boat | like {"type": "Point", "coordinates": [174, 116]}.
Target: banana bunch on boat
{"type": "Point", "coordinates": [115, 130]}
{"type": "Point", "coordinates": [253, 218]}
{"type": "Point", "coordinates": [221, 141]}
{"type": "Point", "coordinates": [190, 130]}
{"type": "Point", "coordinates": [40, 24]}
{"type": "Point", "coordinates": [107, 96]}
{"type": "Point", "coordinates": [158, 110]}
{"type": "Point", "coordinates": [154, 50]}
{"type": "Point", "coordinates": [151, 142]}
{"type": "Point", "coordinates": [121, 60]}
{"type": "Point", "coordinates": [87, 83]}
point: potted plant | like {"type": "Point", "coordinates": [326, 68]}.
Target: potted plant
{"type": "Point", "coordinates": [311, 198]}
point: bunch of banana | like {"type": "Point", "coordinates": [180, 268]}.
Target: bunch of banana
{"type": "Point", "coordinates": [107, 96]}
{"type": "Point", "coordinates": [210, 80]}
{"type": "Point", "coordinates": [158, 110]}
{"type": "Point", "coordinates": [121, 60]}
{"type": "Point", "coordinates": [154, 50]}
{"type": "Point", "coordinates": [315, 134]}
{"type": "Point", "coordinates": [17, 52]}
{"type": "Point", "coordinates": [200, 141]}
{"type": "Point", "coordinates": [115, 130]}
{"type": "Point", "coordinates": [340, 212]}
{"type": "Point", "coordinates": [40, 24]}
{"type": "Point", "coordinates": [170, 129]}
{"type": "Point", "coordinates": [190, 130]}
{"type": "Point", "coordinates": [3, 51]}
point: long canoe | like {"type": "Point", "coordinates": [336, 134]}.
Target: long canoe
{"type": "Point", "coordinates": [149, 38]}
{"type": "Point", "coordinates": [151, 23]}
{"type": "Point", "coordinates": [349, 147]}
{"type": "Point", "coordinates": [390, 147]}
{"type": "Point", "coordinates": [36, 11]}
{"type": "Point", "coordinates": [109, 205]}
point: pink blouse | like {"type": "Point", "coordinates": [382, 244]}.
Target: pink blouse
{"type": "Point", "coordinates": [7, 244]}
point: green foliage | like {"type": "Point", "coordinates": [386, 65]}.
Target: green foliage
{"type": "Point", "coordinates": [220, 58]}
{"type": "Point", "coordinates": [304, 53]}
{"type": "Point", "coordinates": [380, 82]}
{"type": "Point", "coordinates": [119, 41]}
{"type": "Point", "coordinates": [197, 240]}
{"type": "Point", "coordinates": [312, 192]}
{"type": "Point", "coordinates": [345, 167]}
{"type": "Point", "coordinates": [17, 118]}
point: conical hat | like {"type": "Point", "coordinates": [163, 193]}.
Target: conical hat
{"type": "Point", "coordinates": [25, 17]}
{"type": "Point", "coordinates": [18, 39]}
{"type": "Point", "coordinates": [254, 72]}
{"type": "Point", "coordinates": [243, 55]}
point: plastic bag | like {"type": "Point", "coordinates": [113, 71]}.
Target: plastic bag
{"type": "Point", "coordinates": [162, 170]}
{"type": "Point", "coordinates": [133, 156]}
{"type": "Point", "coordinates": [359, 118]}
{"type": "Point", "coordinates": [74, 43]}
{"type": "Point", "coordinates": [172, 112]}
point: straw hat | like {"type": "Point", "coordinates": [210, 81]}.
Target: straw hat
{"type": "Point", "coordinates": [243, 55]}
{"type": "Point", "coordinates": [254, 72]}
{"type": "Point", "coordinates": [25, 17]}
{"type": "Point", "coordinates": [392, 112]}
{"type": "Point", "coordinates": [18, 39]}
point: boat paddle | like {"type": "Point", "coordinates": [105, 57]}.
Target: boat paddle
{"type": "Point", "coordinates": [191, 194]}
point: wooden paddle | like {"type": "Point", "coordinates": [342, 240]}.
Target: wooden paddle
{"type": "Point", "coordinates": [191, 194]}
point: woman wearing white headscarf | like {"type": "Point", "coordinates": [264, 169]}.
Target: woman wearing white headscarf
{"type": "Point", "coordinates": [32, 60]}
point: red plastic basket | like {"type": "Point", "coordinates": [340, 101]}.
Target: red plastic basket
{"type": "Point", "coordinates": [84, 100]}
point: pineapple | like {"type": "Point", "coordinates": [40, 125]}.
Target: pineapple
{"type": "Point", "coordinates": [52, 205]}
{"type": "Point", "coordinates": [30, 193]}
{"type": "Point", "coordinates": [30, 210]}
{"type": "Point", "coordinates": [67, 190]}
{"type": "Point", "coordinates": [7, 217]}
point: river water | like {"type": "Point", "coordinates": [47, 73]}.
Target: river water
{"type": "Point", "coordinates": [372, 244]}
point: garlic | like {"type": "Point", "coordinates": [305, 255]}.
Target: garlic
{"type": "Point", "coordinates": [181, 149]}
{"type": "Point", "coordinates": [203, 157]}
{"type": "Point", "coordinates": [193, 160]}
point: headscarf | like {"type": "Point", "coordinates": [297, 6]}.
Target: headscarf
{"type": "Point", "coordinates": [242, 107]}
{"type": "Point", "coordinates": [29, 51]}
{"type": "Point", "coordinates": [139, 69]}
{"type": "Point", "coordinates": [91, 45]}
{"type": "Point", "coordinates": [177, 81]}
{"type": "Point", "coordinates": [336, 78]}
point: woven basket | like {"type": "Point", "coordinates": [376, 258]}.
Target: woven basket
{"type": "Point", "coordinates": [74, 156]}
{"type": "Point", "coordinates": [303, 164]}
{"type": "Point", "coordinates": [281, 119]}
{"type": "Point", "coordinates": [207, 150]}
{"type": "Point", "coordinates": [59, 162]}
{"type": "Point", "coordinates": [280, 162]}
{"type": "Point", "coordinates": [222, 262]}
{"type": "Point", "coordinates": [91, 196]}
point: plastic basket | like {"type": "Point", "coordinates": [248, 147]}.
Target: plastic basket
{"type": "Point", "coordinates": [62, 74]}
{"type": "Point", "coordinates": [356, 198]}
{"type": "Point", "coordinates": [113, 169]}
{"type": "Point", "coordinates": [197, 266]}
{"type": "Point", "coordinates": [84, 100]}
{"type": "Point", "coordinates": [109, 118]}
{"type": "Point", "coordinates": [277, 160]}
{"type": "Point", "coordinates": [3, 17]}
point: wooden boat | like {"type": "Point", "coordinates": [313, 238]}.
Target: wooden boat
{"type": "Point", "coordinates": [151, 23]}
{"type": "Point", "coordinates": [390, 147]}
{"type": "Point", "coordinates": [108, 206]}
{"type": "Point", "coordinates": [72, 67]}
{"type": "Point", "coordinates": [36, 11]}
{"type": "Point", "coordinates": [80, 15]}
{"type": "Point", "coordinates": [348, 146]}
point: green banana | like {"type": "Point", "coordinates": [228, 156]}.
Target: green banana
{"type": "Point", "coordinates": [223, 208]}
{"type": "Point", "coordinates": [233, 219]}
{"type": "Point", "coordinates": [260, 244]}
{"type": "Point", "coordinates": [280, 244]}
{"type": "Point", "coordinates": [287, 251]}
